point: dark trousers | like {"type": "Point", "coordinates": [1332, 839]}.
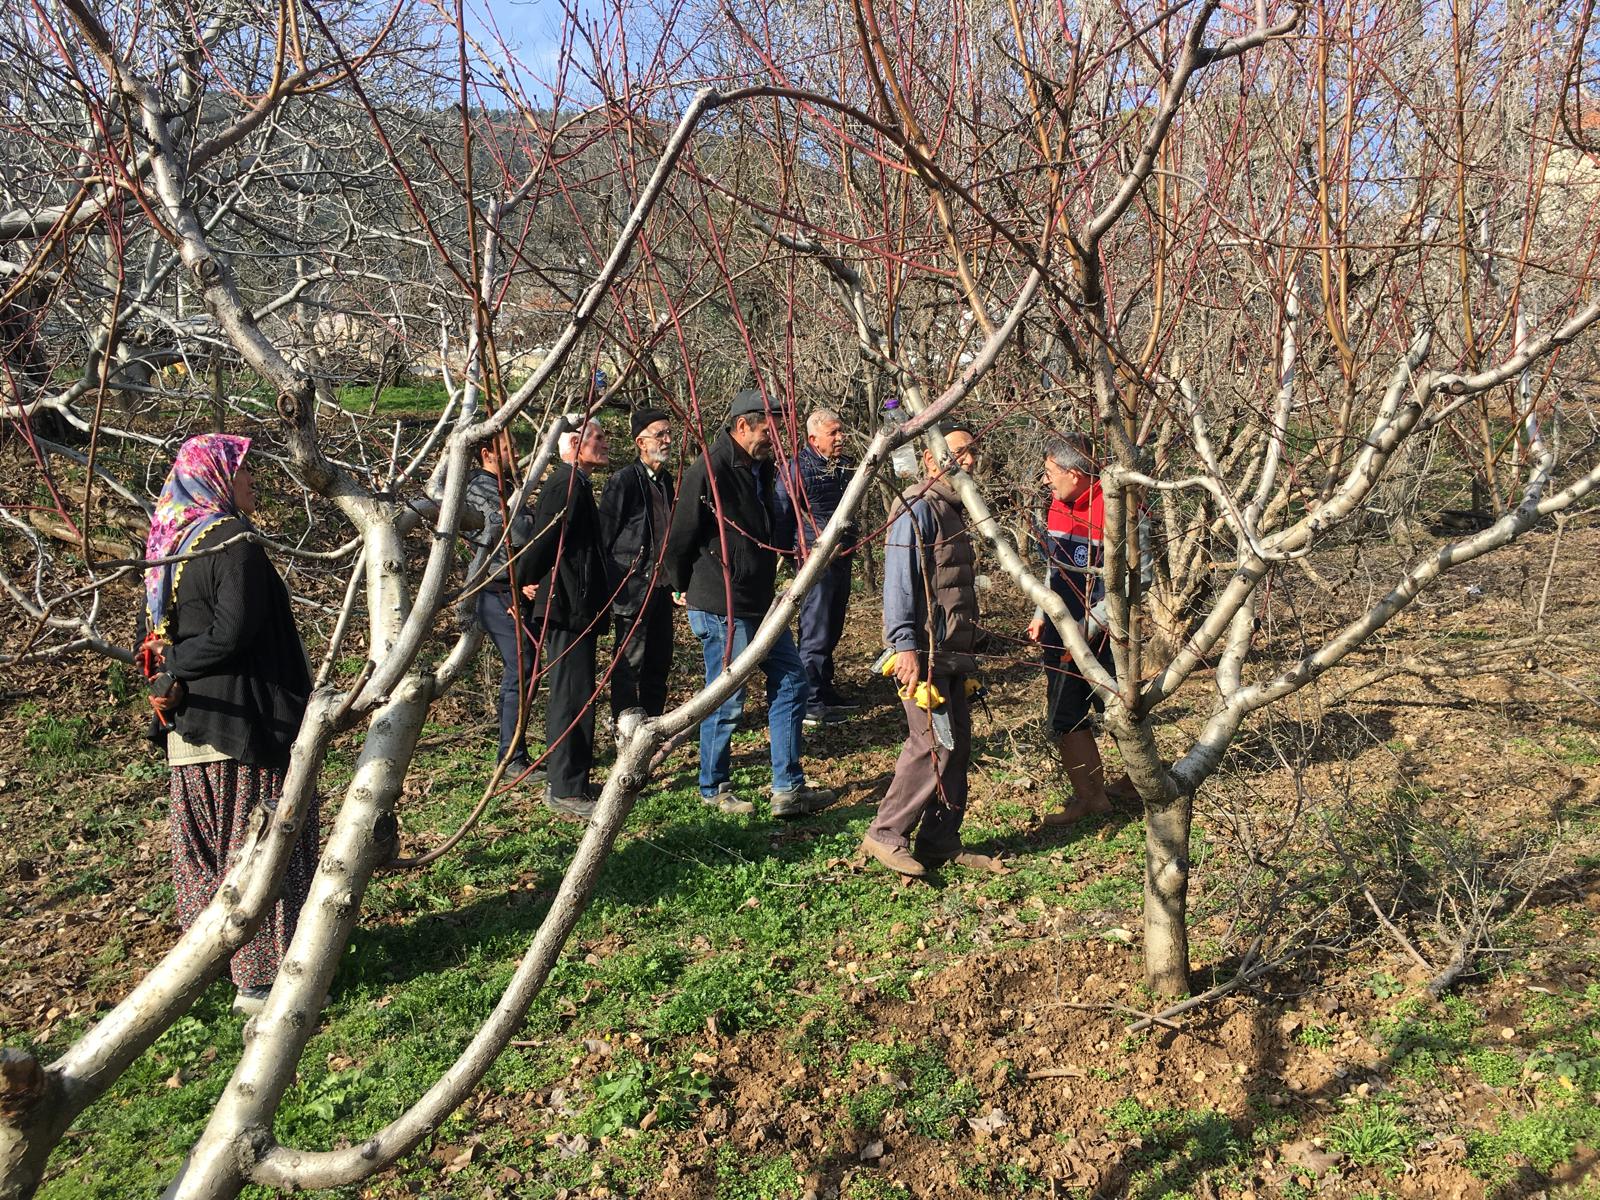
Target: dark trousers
{"type": "Point", "coordinates": [569, 709]}
{"type": "Point", "coordinates": [504, 629]}
{"type": "Point", "coordinates": [642, 656]}
{"type": "Point", "coordinates": [929, 788]}
{"type": "Point", "coordinates": [821, 626]}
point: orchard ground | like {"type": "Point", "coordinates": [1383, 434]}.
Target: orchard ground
{"type": "Point", "coordinates": [746, 1014]}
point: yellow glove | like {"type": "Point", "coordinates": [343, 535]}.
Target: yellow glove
{"type": "Point", "coordinates": [927, 697]}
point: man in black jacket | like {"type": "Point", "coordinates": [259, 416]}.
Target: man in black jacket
{"type": "Point", "coordinates": [565, 563]}
{"type": "Point", "coordinates": [635, 511]}
{"type": "Point", "coordinates": [720, 552]}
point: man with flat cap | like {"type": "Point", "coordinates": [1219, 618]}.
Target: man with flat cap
{"type": "Point", "coordinates": [635, 512]}
{"type": "Point", "coordinates": [721, 552]}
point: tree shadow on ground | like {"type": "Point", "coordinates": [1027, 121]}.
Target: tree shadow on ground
{"type": "Point", "coordinates": [1336, 736]}
{"type": "Point", "coordinates": [1183, 1145]}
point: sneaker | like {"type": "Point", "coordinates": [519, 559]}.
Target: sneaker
{"type": "Point", "coordinates": [896, 858]}
{"type": "Point", "coordinates": [802, 801]}
{"type": "Point", "coordinates": [822, 714]}
{"type": "Point", "coordinates": [728, 801]}
{"type": "Point", "coordinates": [572, 808]}
{"type": "Point", "coordinates": [841, 701]}
{"type": "Point", "coordinates": [251, 1000]}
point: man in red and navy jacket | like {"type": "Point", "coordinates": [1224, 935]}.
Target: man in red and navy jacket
{"type": "Point", "coordinates": [1075, 548]}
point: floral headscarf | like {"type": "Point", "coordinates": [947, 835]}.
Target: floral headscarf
{"type": "Point", "coordinates": [198, 493]}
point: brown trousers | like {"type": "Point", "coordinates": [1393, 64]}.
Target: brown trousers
{"type": "Point", "coordinates": [929, 788]}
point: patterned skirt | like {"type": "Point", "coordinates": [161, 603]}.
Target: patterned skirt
{"type": "Point", "coordinates": [212, 804]}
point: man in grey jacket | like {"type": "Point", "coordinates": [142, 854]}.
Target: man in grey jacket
{"type": "Point", "coordinates": [930, 622]}
{"type": "Point", "coordinates": [500, 605]}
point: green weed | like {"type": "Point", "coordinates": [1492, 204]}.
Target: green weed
{"type": "Point", "coordinates": [1179, 1147]}
{"type": "Point", "coordinates": [773, 1179]}
{"type": "Point", "coordinates": [870, 1186]}
{"type": "Point", "coordinates": [1420, 1038]}
{"type": "Point", "coordinates": [1497, 1068]}
{"type": "Point", "coordinates": [1372, 1135]}
{"type": "Point", "coordinates": [1384, 985]}
{"type": "Point", "coordinates": [631, 1091]}
{"type": "Point", "coordinates": [1317, 1037]}
{"type": "Point", "coordinates": [60, 747]}
{"type": "Point", "coordinates": [1544, 1140]}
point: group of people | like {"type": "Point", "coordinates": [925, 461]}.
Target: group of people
{"type": "Point", "coordinates": [554, 579]}
{"type": "Point", "coordinates": [230, 679]}
{"type": "Point", "coordinates": [713, 545]}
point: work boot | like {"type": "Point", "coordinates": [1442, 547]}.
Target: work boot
{"type": "Point", "coordinates": [523, 773]}
{"type": "Point", "coordinates": [896, 858]}
{"type": "Point", "coordinates": [728, 801]}
{"type": "Point", "coordinates": [1122, 791]}
{"type": "Point", "coordinates": [570, 808]}
{"type": "Point", "coordinates": [802, 801]}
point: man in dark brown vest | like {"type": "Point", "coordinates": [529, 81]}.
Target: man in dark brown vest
{"type": "Point", "coordinates": [930, 612]}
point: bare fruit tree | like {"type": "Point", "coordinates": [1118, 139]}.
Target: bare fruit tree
{"type": "Point", "coordinates": [1273, 259]}
{"type": "Point", "coordinates": [1304, 289]}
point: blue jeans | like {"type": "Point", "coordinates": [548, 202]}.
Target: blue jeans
{"type": "Point", "coordinates": [786, 702]}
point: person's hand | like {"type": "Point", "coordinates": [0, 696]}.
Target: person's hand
{"type": "Point", "coordinates": [906, 669]}
{"type": "Point", "coordinates": [680, 600]}
{"type": "Point", "coordinates": [530, 590]}
{"type": "Point", "coordinates": [1035, 629]}
{"type": "Point", "coordinates": [167, 703]}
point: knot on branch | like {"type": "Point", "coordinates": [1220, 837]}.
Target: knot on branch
{"type": "Point", "coordinates": [22, 1082]}
{"type": "Point", "coordinates": [386, 836]}
{"type": "Point", "coordinates": [255, 1142]}
{"type": "Point", "coordinates": [207, 270]}
{"type": "Point", "coordinates": [296, 404]}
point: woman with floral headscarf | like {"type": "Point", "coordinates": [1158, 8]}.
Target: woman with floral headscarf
{"type": "Point", "coordinates": [220, 621]}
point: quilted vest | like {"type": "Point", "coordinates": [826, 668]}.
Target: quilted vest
{"type": "Point", "coordinates": [947, 603]}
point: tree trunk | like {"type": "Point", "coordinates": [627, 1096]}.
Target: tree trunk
{"type": "Point", "coordinates": [1166, 895]}
{"type": "Point", "coordinates": [31, 1122]}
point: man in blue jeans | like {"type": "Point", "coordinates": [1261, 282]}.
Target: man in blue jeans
{"type": "Point", "coordinates": [720, 553]}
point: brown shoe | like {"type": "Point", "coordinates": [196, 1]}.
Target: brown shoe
{"type": "Point", "coordinates": [896, 858]}
{"type": "Point", "coordinates": [974, 861]}
{"type": "Point", "coordinates": [970, 859]}
{"type": "Point", "coordinates": [1076, 810]}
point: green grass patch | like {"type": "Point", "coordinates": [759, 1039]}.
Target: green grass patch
{"type": "Point", "coordinates": [1542, 1140]}
{"type": "Point", "coordinates": [63, 747]}
{"type": "Point", "coordinates": [933, 1098]}
{"type": "Point", "coordinates": [1496, 1068]}
{"type": "Point", "coordinates": [399, 400]}
{"type": "Point", "coordinates": [633, 1090]}
{"type": "Point", "coordinates": [1421, 1037]}
{"type": "Point", "coordinates": [1178, 1148]}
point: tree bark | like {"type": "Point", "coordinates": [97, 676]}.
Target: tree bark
{"type": "Point", "coordinates": [1166, 895]}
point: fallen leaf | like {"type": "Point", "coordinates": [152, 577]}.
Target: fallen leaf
{"type": "Point", "coordinates": [993, 1120]}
